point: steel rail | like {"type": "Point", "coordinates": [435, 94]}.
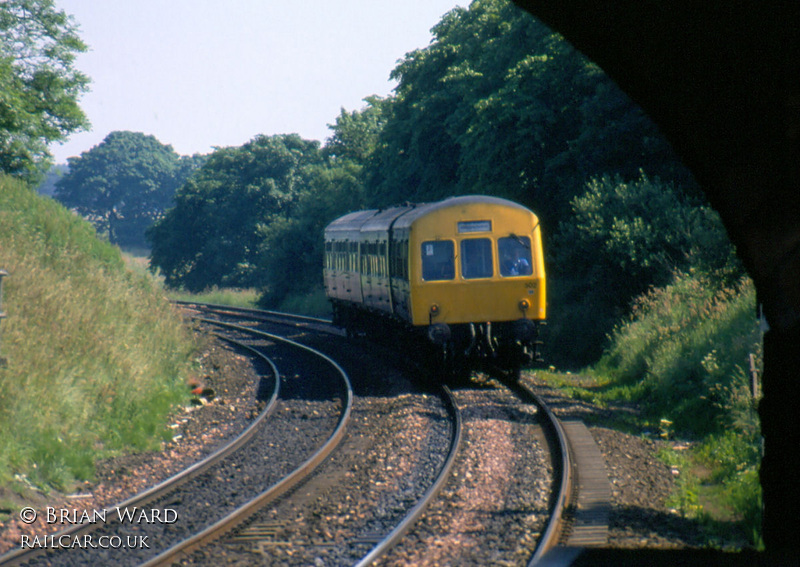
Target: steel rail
{"type": "Point", "coordinates": [393, 537]}
{"type": "Point", "coordinates": [275, 491]}
{"type": "Point", "coordinates": [564, 482]}
{"type": "Point", "coordinates": [253, 311]}
{"type": "Point", "coordinates": [21, 556]}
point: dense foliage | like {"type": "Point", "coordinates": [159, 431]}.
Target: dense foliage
{"type": "Point", "coordinates": [291, 246]}
{"type": "Point", "coordinates": [39, 86]}
{"type": "Point", "coordinates": [124, 184]}
{"type": "Point", "coordinates": [213, 235]}
{"type": "Point", "coordinates": [620, 239]}
{"type": "Point", "coordinates": [685, 348]}
{"type": "Point", "coordinates": [496, 104]}
{"type": "Point", "coordinates": [684, 354]}
{"type": "Point", "coordinates": [335, 187]}
{"type": "Point", "coordinates": [499, 104]}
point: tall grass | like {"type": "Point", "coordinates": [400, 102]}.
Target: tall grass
{"type": "Point", "coordinates": [247, 298]}
{"type": "Point", "coordinates": [686, 346]}
{"type": "Point", "coordinates": [96, 355]}
{"type": "Point", "coordinates": [684, 355]}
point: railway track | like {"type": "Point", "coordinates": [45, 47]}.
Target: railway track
{"type": "Point", "coordinates": [561, 531]}
{"type": "Point", "coordinates": [359, 503]}
{"type": "Point", "coordinates": [299, 322]}
{"type": "Point", "coordinates": [291, 480]}
{"type": "Point", "coordinates": [220, 488]}
{"type": "Point", "coordinates": [362, 502]}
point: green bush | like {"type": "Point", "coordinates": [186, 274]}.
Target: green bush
{"type": "Point", "coordinates": [729, 454]}
{"type": "Point", "coordinates": [622, 238]}
{"type": "Point", "coordinates": [683, 355]}
{"type": "Point", "coordinates": [96, 356]}
{"type": "Point", "coordinates": [688, 345]}
{"type": "Point", "coordinates": [312, 304]}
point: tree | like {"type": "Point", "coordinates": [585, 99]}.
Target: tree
{"type": "Point", "coordinates": [622, 239]}
{"type": "Point", "coordinates": [124, 184]}
{"type": "Point", "coordinates": [630, 236]}
{"type": "Point", "coordinates": [213, 234]}
{"type": "Point", "coordinates": [39, 86]}
{"type": "Point", "coordinates": [500, 104]}
{"type": "Point", "coordinates": [297, 241]}
{"type": "Point", "coordinates": [48, 185]}
{"type": "Point", "coordinates": [333, 188]}
{"type": "Point", "coordinates": [355, 134]}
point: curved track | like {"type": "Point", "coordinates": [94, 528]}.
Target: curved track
{"type": "Point", "coordinates": [563, 486]}
{"type": "Point", "coordinates": [393, 537]}
{"type": "Point", "coordinates": [563, 489]}
{"type": "Point", "coordinates": [228, 522]}
{"type": "Point", "coordinates": [378, 542]}
{"type": "Point", "coordinates": [187, 494]}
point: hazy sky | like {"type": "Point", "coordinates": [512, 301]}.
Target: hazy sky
{"type": "Point", "coordinates": [203, 73]}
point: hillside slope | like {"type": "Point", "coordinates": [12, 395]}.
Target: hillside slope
{"type": "Point", "coordinates": [96, 357]}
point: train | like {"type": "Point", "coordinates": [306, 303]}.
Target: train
{"type": "Point", "coordinates": [461, 279]}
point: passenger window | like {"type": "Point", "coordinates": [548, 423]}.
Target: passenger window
{"type": "Point", "coordinates": [515, 256]}
{"type": "Point", "coordinates": [438, 260]}
{"type": "Point", "coordinates": [476, 258]}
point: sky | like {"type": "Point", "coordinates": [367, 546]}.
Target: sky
{"type": "Point", "coordinates": [199, 74]}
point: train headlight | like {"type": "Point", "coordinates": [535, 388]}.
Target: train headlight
{"type": "Point", "coordinates": [434, 310]}
{"type": "Point", "coordinates": [524, 305]}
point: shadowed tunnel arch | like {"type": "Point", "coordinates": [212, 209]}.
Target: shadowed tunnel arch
{"type": "Point", "coordinates": [721, 78]}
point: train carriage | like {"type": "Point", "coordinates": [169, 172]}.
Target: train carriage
{"type": "Point", "coordinates": [467, 273]}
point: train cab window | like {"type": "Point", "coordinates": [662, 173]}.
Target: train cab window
{"type": "Point", "coordinates": [515, 256]}
{"type": "Point", "coordinates": [476, 258]}
{"type": "Point", "coordinates": [438, 261]}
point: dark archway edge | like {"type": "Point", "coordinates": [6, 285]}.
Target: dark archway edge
{"type": "Point", "coordinates": [721, 78]}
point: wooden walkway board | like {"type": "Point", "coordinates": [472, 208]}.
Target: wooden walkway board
{"type": "Point", "coordinates": [590, 528]}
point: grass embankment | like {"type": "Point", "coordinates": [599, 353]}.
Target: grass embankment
{"type": "Point", "coordinates": [313, 304]}
{"type": "Point", "coordinates": [96, 358]}
{"type": "Point", "coordinates": [247, 298]}
{"type": "Point", "coordinates": [683, 358]}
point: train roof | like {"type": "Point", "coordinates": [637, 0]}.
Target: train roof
{"type": "Point", "coordinates": [406, 215]}
{"type": "Point", "coordinates": [425, 209]}
{"type": "Point", "coordinates": [351, 221]}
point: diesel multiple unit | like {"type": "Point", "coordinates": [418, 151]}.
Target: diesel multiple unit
{"type": "Point", "coordinates": [465, 273]}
